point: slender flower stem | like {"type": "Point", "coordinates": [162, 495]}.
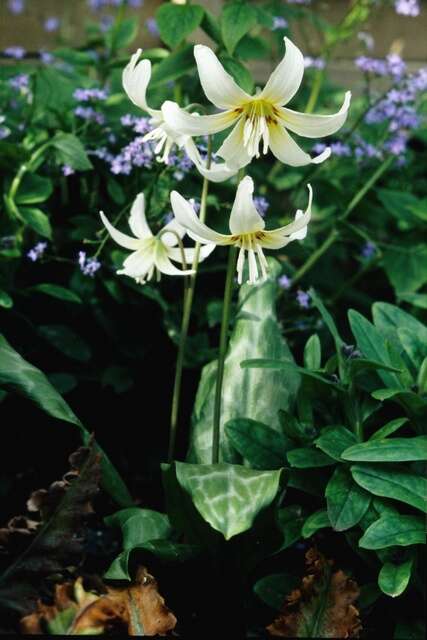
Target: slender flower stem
{"type": "Point", "coordinates": [334, 233]}
{"type": "Point", "coordinates": [223, 343]}
{"type": "Point", "coordinates": [185, 323]}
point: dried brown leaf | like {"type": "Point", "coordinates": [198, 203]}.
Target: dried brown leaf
{"type": "Point", "coordinates": [322, 607]}
{"type": "Point", "coordinates": [138, 609]}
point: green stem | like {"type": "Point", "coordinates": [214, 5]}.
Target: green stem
{"type": "Point", "coordinates": [185, 323]}
{"type": "Point", "coordinates": [223, 343]}
{"type": "Point", "coordinates": [315, 91]}
{"type": "Point", "coordinates": [334, 233]}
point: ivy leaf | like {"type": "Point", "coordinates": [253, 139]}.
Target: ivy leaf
{"type": "Point", "coordinates": [177, 21]}
{"type": "Point", "coordinates": [392, 482]}
{"type": "Point", "coordinates": [228, 497]}
{"type": "Point", "coordinates": [237, 19]}
{"type": "Point", "coordinates": [347, 502]}
{"type": "Point", "coordinates": [390, 531]}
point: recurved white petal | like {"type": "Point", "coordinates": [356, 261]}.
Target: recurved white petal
{"type": "Point", "coordinates": [173, 230]}
{"type": "Point", "coordinates": [285, 80]}
{"type": "Point", "coordinates": [192, 124]}
{"type": "Point", "coordinates": [205, 251]}
{"type": "Point", "coordinates": [218, 85]}
{"type": "Point", "coordinates": [244, 217]}
{"type": "Point", "coordinates": [187, 217]}
{"type": "Point", "coordinates": [217, 172]}
{"type": "Point", "coordinates": [312, 126]}
{"type": "Point", "coordinates": [287, 151]}
{"type": "Point", "coordinates": [233, 150]}
{"type": "Point", "coordinates": [296, 230]}
{"type": "Point", "coordinates": [121, 238]}
{"type": "Point", "coordinates": [301, 234]}
{"type": "Point", "coordinates": [137, 220]}
{"type": "Point", "coordinates": [136, 76]}
{"type": "Point", "coordinates": [165, 265]}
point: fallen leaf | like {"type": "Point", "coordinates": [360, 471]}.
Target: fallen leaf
{"type": "Point", "coordinates": [138, 609]}
{"type": "Point", "coordinates": [39, 548]}
{"type": "Point", "coordinates": [322, 607]}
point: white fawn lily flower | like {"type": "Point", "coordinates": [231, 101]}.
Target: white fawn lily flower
{"type": "Point", "coordinates": [258, 120]}
{"type": "Point", "coordinates": [136, 77]}
{"type": "Point", "coordinates": [152, 254]}
{"type": "Point", "coordinates": [247, 228]}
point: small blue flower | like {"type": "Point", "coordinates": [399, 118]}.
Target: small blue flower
{"type": "Point", "coordinates": [284, 282]}
{"type": "Point", "coordinates": [303, 299]}
{"type": "Point", "coordinates": [36, 252]}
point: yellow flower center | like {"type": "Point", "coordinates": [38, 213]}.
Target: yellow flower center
{"type": "Point", "coordinates": [258, 114]}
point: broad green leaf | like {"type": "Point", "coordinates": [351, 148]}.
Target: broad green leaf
{"type": "Point", "coordinates": [317, 520]}
{"type": "Point", "coordinates": [371, 342]}
{"type": "Point", "coordinates": [52, 82]}
{"type": "Point", "coordinates": [33, 189]}
{"type": "Point", "coordinates": [412, 401]}
{"type": "Point", "coordinates": [122, 34]}
{"type": "Point", "coordinates": [414, 344]}
{"type": "Point", "coordinates": [165, 550]}
{"type": "Point", "coordinates": [37, 220]}
{"type": "Point", "coordinates": [347, 503]}
{"type": "Point", "coordinates": [394, 483]}
{"type": "Point", "coordinates": [31, 382]}
{"type": "Point", "coordinates": [211, 26]}
{"type": "Point", "coordinates": [334, 440]}
{"type": "Point", "coordinates": [173, 67]}
{"type": "Point", "coordinates": [177, 21]}
{"type": "Point", "coordinates": [65, 340]}
{"type": "Point", "coordinates": [390, 531]}
{"type": "Point", "coordinates": [300, 432]}
{"type": "Point", "coordinates": [63, 382]}
{"type": "Point", "coordinates": [388, 429]}
{"type": "Point", "coordinates": [247, 393]}
{"type": "Point", "coordinates": [399, 203]}
{"type": "Point", "coordinates": [55, 291]}
{"type": "Point", "coordinates": [289, 521]}
{"type": "Point", "coordinates": [313, 353]}
{"type": "Point", "coordinates": [239, 72]}
{"type": "Point", "coordinates": [140, 525]}
{"type": "Point", "coordinates": [228, 497]}
{"type": "Point", "coordinates": [262, 446]}
{"type": "Point", "coordinates": [70, 151]}
{"type": "Point", "coordinates": [406, 267]}
{"type": "Point", "coordinates": [5, 300]}
{"type": "Point", "coordinates": [236, 20]}
{"type": "Point", "coordinates": [311, 481]}
{"type": "Point", "coordinates": [394, 578]}
{"type": "Point", "coordinates": [305, 458]}
{"type": "Point", "coordinates": [360, 365]}
{"type": "Point", "coordinates": [416, 299]}
{"type": "Point", "coordinates": [392, 450]}
{"type": "Point", "coordinates": [390, 319]}
{"type": "Point", "coordinates": [272, 590]}
{"type": "Point", "coordinates": [422, 377]}
{"type": "Point", "coordinates": [252, 48]}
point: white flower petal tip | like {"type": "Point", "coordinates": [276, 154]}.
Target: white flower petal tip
{"type": "Point", "coordinates": [326, 153]}
{"type": "Point", "coordinates": [135, 79]}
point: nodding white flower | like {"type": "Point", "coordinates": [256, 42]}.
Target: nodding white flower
{"type": "Point", "coordinates": [247, 229]}
{"type": "Point", "coordinates": [257, 120]}
{"type": "Point", "coordinates": [136, 77]}
{"type": "Point", "coordinates": [152, 253]}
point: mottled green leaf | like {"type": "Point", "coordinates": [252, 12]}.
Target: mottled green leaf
{"type": "Point", "coordinates": [228, 497]}
{"type": "Point", "coordinates": [247, 393]}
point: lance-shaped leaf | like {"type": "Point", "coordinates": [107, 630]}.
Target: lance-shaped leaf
{"type": "Point", "coordinates": [322, 606]}
{"type": "Point", "coordinates": [392, 450]}
{"type": "Point", "coordinates": [347, 502]}
{"type": "Point", "coordinates": [390, 531]}
{"type": "Point", "coordinates": [22, 376]}
{"type": "Point", "coordinates": [247, 393]}
{"type": "Point", "coordinates": [393, 483]}
{"type": "Point", "coordinates": [334, 440]}
{"type": "Point", "coordinates": [316, 521]}
{"type": "Point", "coordinates": [388, 429]}
{"type": "Point", "coordinates": [228, 497]}
{"type": "Point", "coordinates": [262, 446]}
